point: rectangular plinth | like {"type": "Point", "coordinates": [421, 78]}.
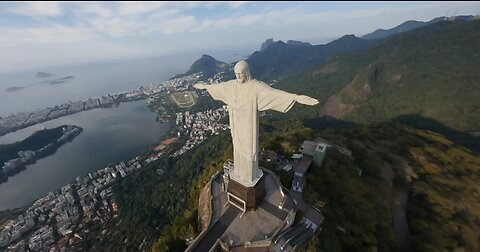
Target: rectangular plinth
{"type": "Point", "coordinates": [252, 196]}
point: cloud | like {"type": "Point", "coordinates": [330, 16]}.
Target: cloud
{"type": "Point", "coordinates": [116, 27]}
{"type": "Point", "coordinates": [168, 23]}
{"type": "Point", "coordinates": [46, 9]}
{"type": "Point", "coordinates": [236, 4]}
{"type": "Point", "coordinates": [95, 9]}
{"type": "Point", "coordinates": [45, 35]}
{"type": "Point", "coordinates": [276, 17]}
{"type": "Point", "coordinates": [139, 8]}
{"type": "Point", "coordinates": [177, 25]}
{"type": "Point", "coordinates": [141, 19]}
{"type": "Point", "coordinates": [128, 19]}
{"type": "Point", "coordinates": [144, 18]}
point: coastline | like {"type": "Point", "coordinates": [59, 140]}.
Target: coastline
{"type": "Point", "coordinates": [17, 121]}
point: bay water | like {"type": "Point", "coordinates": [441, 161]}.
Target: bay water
{"type": "Point", "coordinates": [109, 135]}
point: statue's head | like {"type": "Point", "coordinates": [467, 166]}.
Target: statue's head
{"type": "Point", "coordinates": [242, 72]}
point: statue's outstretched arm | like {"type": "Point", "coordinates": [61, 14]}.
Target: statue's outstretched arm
{"type": "Point", "coordinates": [218, 91]}
{"type": "Point", "coordinates": [303, 99]}
{"type": "Point", "coordinates": [200, 85]}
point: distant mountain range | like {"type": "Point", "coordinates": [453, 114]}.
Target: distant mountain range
{"type": "Point", "coordinates": [270, 41]}
{"type": "Point", "coordinates": [411, 25]}
{"type": "Point", "coordinates": [279, 59]}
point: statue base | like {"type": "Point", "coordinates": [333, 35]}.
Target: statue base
{"type": "Point", "coordinates": [246, 198]}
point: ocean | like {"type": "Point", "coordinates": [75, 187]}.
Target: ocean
{"type": "Point", "coordinates": [23, 91]}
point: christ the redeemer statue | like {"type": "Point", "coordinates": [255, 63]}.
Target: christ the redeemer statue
{"type": "Point", "coordinates": [245, 97]}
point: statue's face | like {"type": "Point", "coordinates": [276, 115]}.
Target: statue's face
{"type": "Point", "coordinates": [241, 76]}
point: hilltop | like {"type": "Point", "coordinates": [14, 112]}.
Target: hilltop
{"type": "Point", "coordinates": [207, 65]}
{"type": "Point", "coordinates": [409, 26]}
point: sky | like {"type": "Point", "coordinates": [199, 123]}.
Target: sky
{"type": "Point", "coordinates": [34, 34]}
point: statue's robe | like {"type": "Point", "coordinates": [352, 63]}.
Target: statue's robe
{"type": "Point", "coordinates": [244, 100]}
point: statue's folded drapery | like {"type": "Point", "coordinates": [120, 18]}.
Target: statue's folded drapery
{"type": "Point", "coordinates": [244, 100]}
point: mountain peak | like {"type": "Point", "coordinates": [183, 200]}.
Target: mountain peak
{"type": "Point", "coordinates": [207, 57]}
{"type": "Point", "coordinates": [266, 44]}
{"type": "Point", "coordinates": [297, 43]}
{"type": "Point", "coordinates": [207, 65]}
{"type": "Point", "coordinates": [269, 42]}
{"type": "Point", "coordinates": [346, 40]}
{"type": "Point", "coordinates": [349, 37]}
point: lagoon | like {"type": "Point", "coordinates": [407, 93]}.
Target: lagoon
{"type": "Point", "coordinates": [109, 135]}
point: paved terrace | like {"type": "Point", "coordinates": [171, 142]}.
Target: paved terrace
{"type": "Point", "coordinates": [234, 229]}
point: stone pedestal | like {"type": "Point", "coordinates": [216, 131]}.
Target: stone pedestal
{"type": "Point", "coordinates": [252, 196]}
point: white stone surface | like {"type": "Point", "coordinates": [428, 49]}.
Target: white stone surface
{"type": "Point", "coordinates": [245, 97]}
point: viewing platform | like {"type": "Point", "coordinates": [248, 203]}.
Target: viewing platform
{"type": "Point", "coordinates": [233, 229]}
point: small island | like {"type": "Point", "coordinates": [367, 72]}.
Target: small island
{"type": "Point", "coordinates": [14, 88]}
{"type": "Point", "coordinates": [60, 80]}
{"type": "Point", "coordinates": [43, 75]}
{"type": "Point", "coordinates": [16, 156]}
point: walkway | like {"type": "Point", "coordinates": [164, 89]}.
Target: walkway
{"type": "Point", "coordinates": [218, 229]}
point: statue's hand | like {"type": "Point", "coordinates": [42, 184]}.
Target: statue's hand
{"type": "Point", "coordinates": [200, 85]}
{"type": "Point", "coordinates": [303, 99]}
